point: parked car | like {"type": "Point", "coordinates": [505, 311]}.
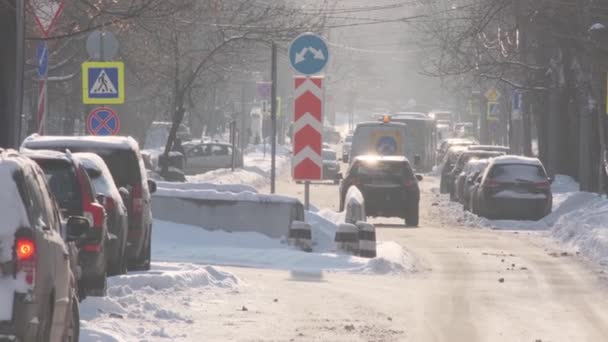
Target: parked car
{"type": "Point", "coordinates": [117, 214]}
{"type": "Point", "coordinates": [205, 157]}
{"type": "Point", "coordinates": [38, 276]}
{"type": "Point", "coordinates": [448, 143]}
{"type": "Point", "coordinates": [331, 136]}
{"type": "Point", "coordinates": [388, 185]}
{"type": "Point", "coordinates": [331, 166]}
{"type": "Point", "coordinates": [346, 147]}
{"type": "Point", "coordinates": [123, 158]}
{"type": "Point", "coordinates": [72, 188]}
{"type": "Point", "coordinates": [513, 187]}
{"type": "Point", "coordinates": [463, 158]}
{"type": "Point", "coordinates": [494, 148]}
{"type": "Point", "coordinates": [466, 180]}
{"type": "Point", "coordinates": [447, 165]}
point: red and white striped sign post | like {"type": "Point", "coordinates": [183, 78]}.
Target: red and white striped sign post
{"type": "Point", "coordinates": [307, 161]}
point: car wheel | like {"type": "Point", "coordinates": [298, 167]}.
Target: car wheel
{"type": "Point", "coordinates": [73, 322]}
{"type": "Point", "coordinates": [119, 266]}
{"type": "Point", "coordinates": [44, 330]}
{"type": "Point", "coordinates": [411, 217]}
{"type": "Point", "coordinates": [145, 258]}
{"type": "Point", "coordinates": [97, 286]}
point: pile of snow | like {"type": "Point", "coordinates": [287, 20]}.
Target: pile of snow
{"type": "Point", "coordinates": [184, 243]}
{"type": "Point", "coordinates": [224, 196]}
{"type": "Point", "coordinates": [136, 297]}
{"type": "Point", "coordinates": [205, 186]}
{"type": "Point", "coordinates": [256, 171]}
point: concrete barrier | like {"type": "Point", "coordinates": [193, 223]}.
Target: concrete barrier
{"type": "Point", "coordinates": [243, 212]}
{"type": "Point", "coordinates": [347, 238]}
{"type": "Point", "coordinates": [367, 239]}
{"type": "Point", "coordinates": [354, 206]}
{"type": "Point", "coordinates": [300, 235]}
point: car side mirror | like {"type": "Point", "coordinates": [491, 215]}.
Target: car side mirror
{"type": "Point", "coordinates": [417, 160]}
{"type": "Point", "coordinates": [101, 199]}
{"type": "Point", "coordinates": [419, 177]}
{"type": "Point", "coordinates": [77, 227]}
{"type": "Point", "coordinates": [151, 186]}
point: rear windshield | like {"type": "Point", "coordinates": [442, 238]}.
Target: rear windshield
{"type": "Point", "coordinates": [329, 155]}
{"type": "Point", "coordinates": [389, 170]}
{"type": "Point", "coordinates": [517, 172]}
{"type": "Point", "coordinates": [63, 183]}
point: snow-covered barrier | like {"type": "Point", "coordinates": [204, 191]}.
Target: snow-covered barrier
{"type": "Point", "coordinates": [161, 185]}
{"type": "Point", "coordinates": [271, 215]}
{"type": "Point", "coordinates": [354, 205]}
{"type": "Point", "coordinates": [300, 235]}
{"type": "Point", "coordinates": [347, 238]}
{"type": "Point", "coordinates": [367, 239]}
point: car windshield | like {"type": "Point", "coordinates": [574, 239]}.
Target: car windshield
{"type": "Point", "coordinates": [329, 155]}
{"type": "Point", "coordinates": [63, 183]}
{"type": "Point", "coordinates": [385, 169]}
{"type": "Point", "coordinates": [517, 173]}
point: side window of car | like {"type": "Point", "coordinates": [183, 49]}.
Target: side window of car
{"type": "Point", "coordinates": [219, 150]}
{"type": "Point", "coordinates": [36, 208]}
{"type": "Point", "coordinates": [48, 202]}
{"type": "Point", "coordinates": [196, 151]}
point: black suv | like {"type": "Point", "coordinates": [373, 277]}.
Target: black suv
{"type": "Point", "coordinates": [124, 160]}
{"type": "Point", "coordinates": [388, 185]}
{"type": "Point", "coordinates": [38, 268]}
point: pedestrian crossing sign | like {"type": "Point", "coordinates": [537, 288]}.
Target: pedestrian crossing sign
{"type": "Point", "coordinates": [103, 83]}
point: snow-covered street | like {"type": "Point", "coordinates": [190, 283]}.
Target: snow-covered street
{"type": "Point", "coordinates": [452, 279]}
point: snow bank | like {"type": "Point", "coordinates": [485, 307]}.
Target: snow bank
{"type": "Point", "coordinates": [178, 243]}
{"type": "Point", "coordinates": [211, 194]}
{"type": "Point", "coordinates": [205, 186]}
{"type": "Point", "coordinates": [136, 297]}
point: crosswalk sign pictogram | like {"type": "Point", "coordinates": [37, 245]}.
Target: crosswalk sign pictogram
{"type": "Point", "coordinates": [103, 83]}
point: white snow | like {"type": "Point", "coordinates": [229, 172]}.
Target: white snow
{"type": "Point", "coordinates": [206, 186]}
{"type": "Point", "coordinates": [226, 195]}
{"type": "Point", "coordinates": [142, 304]}
{"type": "Point", "coordinates": [176, 242]}
{"type": "Point", "coordinates": [104, 183]}
{"type": "Point", "coordinates": [118, 142]}
{"type": "Point", "coordinates": [516, 160]}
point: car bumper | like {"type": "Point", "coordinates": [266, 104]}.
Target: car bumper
{"type": "Point", "coordinates": [93, 265]}
{"type": "Point", "coordinates": [388, 203]}
{"type": "Point", "coordinates": [23, 327]}
{"type": "Point", "coordinates": [516, 208]}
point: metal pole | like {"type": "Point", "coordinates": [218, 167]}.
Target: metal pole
{"type": "Point", "coordinates": [273, 116]}
{"type": "Point", "coordinates": [307, 195]}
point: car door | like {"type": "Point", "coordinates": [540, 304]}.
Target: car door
{"type": "Point", "coordinates": [60, 256]}
{"type": "Point", "coordinates": [195, 158]}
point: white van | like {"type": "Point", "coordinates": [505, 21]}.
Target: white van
{"type": "Point", "coordinates": [379, 138]}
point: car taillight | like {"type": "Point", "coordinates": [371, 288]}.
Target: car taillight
{"type": "Point", "coordinates": [490, 183]}
{"type": "Point", "coordinates": [96, 214]}
{"type": "Point", "coordinates": [25, 253]}
{"type": "Point", "coordinates": [138, 201]}
{"type": "Point", "coordinates": [92, 247]}
{"type": "Point", "coordinates": [542, 185]}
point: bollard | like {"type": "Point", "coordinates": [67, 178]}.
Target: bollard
{"type": "Point", "coordinates": [347, 238]}
{"type": "Point", "coordinates": [300, 235]}
{"type": "Point", "coordinates": [367, 239]}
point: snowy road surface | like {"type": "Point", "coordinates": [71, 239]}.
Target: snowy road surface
{"type": "Point", "coordinates": [463, 284]}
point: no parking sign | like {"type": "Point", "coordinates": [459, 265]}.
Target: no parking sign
{"type": "Point", "coordinates": [103, 121]}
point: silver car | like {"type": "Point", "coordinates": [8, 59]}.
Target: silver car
{"type": "Point", "coordinates": [205, 157]}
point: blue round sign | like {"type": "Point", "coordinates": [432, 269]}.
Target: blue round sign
{"type": "Point", "coordinates": [103, 121]}
{"type": "Point", "coordinates": [308, 54]}
{"type": "Point", "coordinates": [386, 146]}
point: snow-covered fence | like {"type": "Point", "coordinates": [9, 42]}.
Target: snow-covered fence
{"type": "Point", "coordinates": [300, 235]}
{"type": "Point", "coordinates": [271, 215]}
{"type": "Point", "coordinates": [367, 239]}
{"type": "Point", "coordinates": [347, 238]}
{"type": "Point", "coordinates": [354, 204]}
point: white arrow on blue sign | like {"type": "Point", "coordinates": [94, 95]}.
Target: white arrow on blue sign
{"type": "Point", "coordinates": [42, 55]}
{"type": "Point", "coordinates": [308, 54]}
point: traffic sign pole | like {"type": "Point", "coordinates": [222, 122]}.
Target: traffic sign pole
{"type": "Point", "coordinates": [273, 116]}
{"type": "Point", "coordinates": [41, 113]}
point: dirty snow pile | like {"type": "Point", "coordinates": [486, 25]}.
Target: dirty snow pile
{"type": "Point", "coordinates": [143, 304]}
{"type": "Point", "coordinates": [579, 220]}
{"type": "Point", "coordinates": [178, 243]}
{"type": "Point", "coordinates": [256, 170]}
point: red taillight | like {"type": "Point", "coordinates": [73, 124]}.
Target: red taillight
{"type": "Point", "coordinates": [542, 185]}
{"type": "Point", "coordinates": [96, 214]}
{"type": "Point", "coordinates": [25, 249]}
{"type": "Point", "coordinates": [409, 183]}
{"type": "Point", "coordinates": [137, 198]}
{"type": "Point", "coordinates": [490, 183]}
{"type": "Point", "coordinates": [95, 248]}
{"type": "Point", "coordinates": [25, 252]}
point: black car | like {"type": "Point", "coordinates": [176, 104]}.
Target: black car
{"type": "Point", "coordinates": [466, 180]}
{"type": "Point", "coordinates": [123, 158]}
{"type": "Point", "coordinates": [388, 185]}
{"type": "Point", "coordinates": [331, 166]}
{"type": "Point", "coordinates": [38, 259]}
{"type": "Point", "coordinates": [447, 165]}
{"type": "Point", "coordinates": [71, 186]}
{"type": "Point", "coordinates": [463, 158]}
{"type": "Point", "coordinates": [513, 187]}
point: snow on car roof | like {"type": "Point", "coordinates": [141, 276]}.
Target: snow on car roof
{"type": "Point", "coordinates": [12, 209]}
{"type": "Point", "coordinates": [117, 142]}
{"type": "Point", "coordinates": [373, 157]}
{"type": "Point", "coordinates": [511, 159]}
{"type": "Point", "coordinates": [488, 147]}
{"type": "Point", "coordinates": [92, 161]}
